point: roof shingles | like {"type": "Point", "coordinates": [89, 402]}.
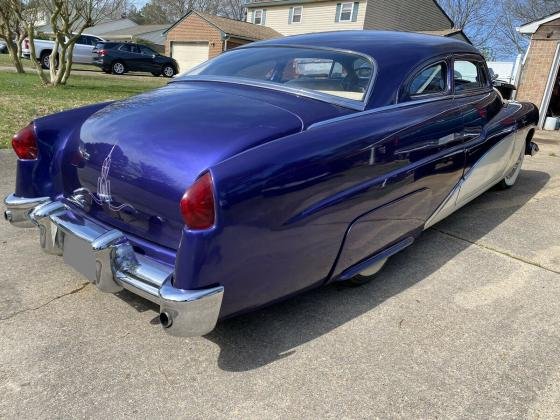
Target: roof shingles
{"type": "Point", "coordinates": [235, 28]}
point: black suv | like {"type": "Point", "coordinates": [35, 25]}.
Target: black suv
{"type": "Point", "coordinates": [120, 57]}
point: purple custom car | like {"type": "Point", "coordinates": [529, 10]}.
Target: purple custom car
{"type": "Point", "coordinates": [271, 169]}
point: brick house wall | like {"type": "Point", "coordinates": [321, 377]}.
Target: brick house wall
{"type": "Point", "coordinates": [194, 28]}
{"type": "Point", "coordinates": [236, 42]}
{"type": "Point", "coordinates": [539, 63]}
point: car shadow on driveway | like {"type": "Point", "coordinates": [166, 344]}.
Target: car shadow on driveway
{"type": "Point", "coordinates": [256, 339]}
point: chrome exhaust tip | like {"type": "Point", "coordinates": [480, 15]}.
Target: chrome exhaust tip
{"type": "Point", "coordinates": [165, 319]}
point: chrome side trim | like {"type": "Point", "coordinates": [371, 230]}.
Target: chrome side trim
{"type": "Point", "coordinates": [485, 173]}
{"type": "Point", "coordinates": [385, 108]}
{"type": "Point", "coordinates": [18, 209]}
{"type": "Point", "coordinates": [107, 258]}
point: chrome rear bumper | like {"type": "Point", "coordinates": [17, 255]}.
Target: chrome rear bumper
{"type": "Point", "coordinates": [107, 258]}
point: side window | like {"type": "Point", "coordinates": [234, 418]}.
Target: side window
{"type": "Point", "coordinates": [429, 80]}
{"type": "Point", "coordinates": [134, 49]}
{"type": "Point", "coordinates": [125, 47]}
{"type": "Point", "coordinates": [146, 50]}
{"type": "Point", "coordinates": [82, 40]}
{"type": "Point", "coordinates": [468, 75]}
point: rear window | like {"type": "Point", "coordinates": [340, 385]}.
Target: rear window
{"type": "Point", "coordinates": [335, 73]}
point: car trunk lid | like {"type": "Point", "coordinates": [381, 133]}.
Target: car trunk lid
{"type": "Point", "coordinates": [136, 157]}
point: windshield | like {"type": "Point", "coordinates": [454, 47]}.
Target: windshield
{"type": "Point", "coordinates": [328, 72]}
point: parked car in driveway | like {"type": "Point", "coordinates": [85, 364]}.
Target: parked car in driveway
{"type": "Point", "coordinates": [3, 47]}
{"type": "Point", "coordinates": [81, 55]}
{"type": "Point", "coordinates": [271, 169]}
{"type": "Point", "coordinates": [121, 57]}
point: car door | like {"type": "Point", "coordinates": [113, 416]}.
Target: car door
{"type": "Point", "coordinates": [480, 104]}
{"type": "Point", "coordinates": [83, 50]}
{"type": "Point", "coordinates": [129, 56]}
{"type": "Point", "coordinates": [417, 163]}
{"type": "Point", "coordinates": [148, 57]}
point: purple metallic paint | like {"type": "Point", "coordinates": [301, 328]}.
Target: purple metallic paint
{"type": "Point", "coordinates": [296, 206]}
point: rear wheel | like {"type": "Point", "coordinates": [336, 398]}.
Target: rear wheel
{"type": "Point", "coordinates": [365, 276]}
{"type": "Point", "coordinates": [511, 177]}
{"type": "Point", "coordinates": [168, 70]}
{"type": "Point", "coordinates": [45, 60]}
{"type": "Point", "coordinates": [118, 68]}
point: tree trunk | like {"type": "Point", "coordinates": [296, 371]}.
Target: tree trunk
{"type": "Point", "coordinates": [16, 61]}
{"type": "Point", "coordinates": [33, 54]}
{"type": "Point", "coordinates": [15, 55]}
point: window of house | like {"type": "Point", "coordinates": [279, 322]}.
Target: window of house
{"type": "Point", "coordinates": [258, 17]}
{"type": "Point", "coordinates": [468, 75]}
{"type": "Point", "coordinates": [346, 12]}
{"type": "Point", "coordinates": [430, 80]}
{"type": "Point", "coordinates": [296, 14]}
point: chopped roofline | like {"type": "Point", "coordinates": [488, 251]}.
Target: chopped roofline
{"type": "Point", "coordinates": [369, 42]}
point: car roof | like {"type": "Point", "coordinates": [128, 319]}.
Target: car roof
{"type": "Point", "coordinates": [376, 43]}
{"type": "Point", "coordinates": [396, 53]}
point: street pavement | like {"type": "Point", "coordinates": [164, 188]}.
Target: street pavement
{"type": "Point", "coordinates": [464, 323]}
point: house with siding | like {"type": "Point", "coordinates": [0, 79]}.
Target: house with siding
{"type": "Point", "coordinates": [198, 36]}
{"type": "Point", "coordinates": [293, 17]}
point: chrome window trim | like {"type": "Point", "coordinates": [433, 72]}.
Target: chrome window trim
{"type": "Point", "coordinates": [406, 97]}
{"type": "Point", "coordinates": [475, 59]}
{"type": "Point", "coordinates": [309, 93]}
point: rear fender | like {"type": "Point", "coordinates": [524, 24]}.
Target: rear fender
{"type": "Point", "coordinates": [283, 208]}
{"type": "Point", "coordinates": [44, 177]}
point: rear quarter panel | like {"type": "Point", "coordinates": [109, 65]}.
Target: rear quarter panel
{"type": "Point", "coordinates": [284, 208]}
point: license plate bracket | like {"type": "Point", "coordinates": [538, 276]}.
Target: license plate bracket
{"type": "Point", "coordinates": [78, 254]}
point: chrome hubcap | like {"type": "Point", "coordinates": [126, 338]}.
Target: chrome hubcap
{"type": "Point", "coordinates": [118, 68]}
{"type": "Point", "coordinates": [47, 61]}
{"type": "Point", "coordinates": [168, 71]}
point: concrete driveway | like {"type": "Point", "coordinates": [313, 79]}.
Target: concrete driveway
{"type": "Point", "coordinates": [465, 323]}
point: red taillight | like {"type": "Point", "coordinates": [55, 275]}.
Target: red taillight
{"type": "Point", "coordinates": [26, 44]}
{"type": "Point", "coordinates": [25, 143]}
{"type": "Point", "coordinates": [197, 204]}
{"type": "Point", "coordinates": [101, 53]}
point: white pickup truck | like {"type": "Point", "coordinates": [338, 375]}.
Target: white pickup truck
{"type": "Point", "coordinates": [82, 50]}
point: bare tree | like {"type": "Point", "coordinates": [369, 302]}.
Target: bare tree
{"type": "Point", "coordinates": [68, 20]}
{"type": "Point", "coordinates": [169, 11]}
{"type": "Point", "coordinates": [12, 30]}
{"type": "Point", "coordinates": [475, 18]}
{"type": "Point", "coordinates": [514, 13]}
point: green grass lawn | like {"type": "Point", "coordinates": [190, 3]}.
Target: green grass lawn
{"type": "Point", "coordinates": [23, 98]}
{"type": "Point", "coordinates": [5, 61]}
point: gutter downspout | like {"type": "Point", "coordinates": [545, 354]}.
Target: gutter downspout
{"type": "Point", "coordinates": [225, 38]}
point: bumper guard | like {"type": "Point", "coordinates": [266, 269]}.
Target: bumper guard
{"type": "Point", "coordinates": [108, 260]}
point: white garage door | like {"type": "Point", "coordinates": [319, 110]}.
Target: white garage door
{"type": "Point", "coordinates": [189, 54]}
